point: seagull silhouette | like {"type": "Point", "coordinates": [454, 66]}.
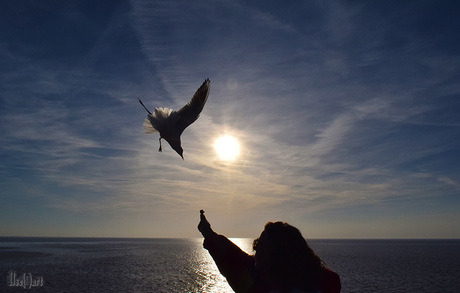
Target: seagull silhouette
{"type": "Point", "coordinates": [170, 124]}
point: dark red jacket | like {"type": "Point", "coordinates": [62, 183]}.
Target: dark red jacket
{"type": "Point", "coordinates": [238, 268]}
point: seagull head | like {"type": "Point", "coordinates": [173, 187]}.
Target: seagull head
{"type": "Point", "coordinates": [176, 145]}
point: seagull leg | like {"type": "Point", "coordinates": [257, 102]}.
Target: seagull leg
{"type": "Point", "coordinates": [160, 150]}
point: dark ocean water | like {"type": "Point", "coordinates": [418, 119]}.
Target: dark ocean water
{"type": "Point", "coordinates": [183, 265]}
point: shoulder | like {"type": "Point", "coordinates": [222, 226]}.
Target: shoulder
{"type": "Point", "coordinates": [330, 281]}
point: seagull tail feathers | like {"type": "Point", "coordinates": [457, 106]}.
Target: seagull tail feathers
{"type": "Point", "coordinates": [162, 113]}
{"type": "Point", "coordinates": [148, 128]}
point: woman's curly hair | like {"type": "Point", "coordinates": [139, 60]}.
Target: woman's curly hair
{"type": "Point", "coordinates": [291, 261]}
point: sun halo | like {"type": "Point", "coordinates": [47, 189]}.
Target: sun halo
{"type": "Point", "coordinates": [227, 148]}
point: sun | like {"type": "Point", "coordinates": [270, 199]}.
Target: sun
{"type": "Point", "coordinates": [227, 148]}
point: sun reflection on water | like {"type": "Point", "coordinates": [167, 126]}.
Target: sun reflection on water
{"type": "Point", "coordinates": [244, 243]}
{"type": "Point", "coordinates": [207, 271]}
{"type": "Point", "coordinates": [213, 281]}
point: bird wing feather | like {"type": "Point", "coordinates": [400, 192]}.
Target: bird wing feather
{"type": "Point", "coordinates": [191, 111]}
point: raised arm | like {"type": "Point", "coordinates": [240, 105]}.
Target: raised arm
{"type": "Point", "coordinates": [232, 262]}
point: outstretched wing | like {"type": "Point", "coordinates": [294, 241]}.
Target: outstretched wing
{"type": "Point", "coordinates": [191, 111]}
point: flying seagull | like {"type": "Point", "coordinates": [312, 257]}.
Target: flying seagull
{"type": "Point", "coordinates": [170, 124]}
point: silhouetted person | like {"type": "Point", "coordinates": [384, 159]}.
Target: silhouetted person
{"type": "Point", "coordinates": [283, 262]}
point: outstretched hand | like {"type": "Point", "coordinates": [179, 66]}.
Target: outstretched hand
{"type": "Point", "coordinates": [204, 227]}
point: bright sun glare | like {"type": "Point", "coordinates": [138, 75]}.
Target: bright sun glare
{"type": "Point", "coordinates": [227, 147]}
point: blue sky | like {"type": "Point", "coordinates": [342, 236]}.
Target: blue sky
{"type": "Point", "coordinates": [346, 112]}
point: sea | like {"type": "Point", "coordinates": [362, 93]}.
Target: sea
{"type": "Point", "coordinates": [183, 265]}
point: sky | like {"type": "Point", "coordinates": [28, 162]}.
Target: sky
{"type": "Point", "coordinates": [346, 113]}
